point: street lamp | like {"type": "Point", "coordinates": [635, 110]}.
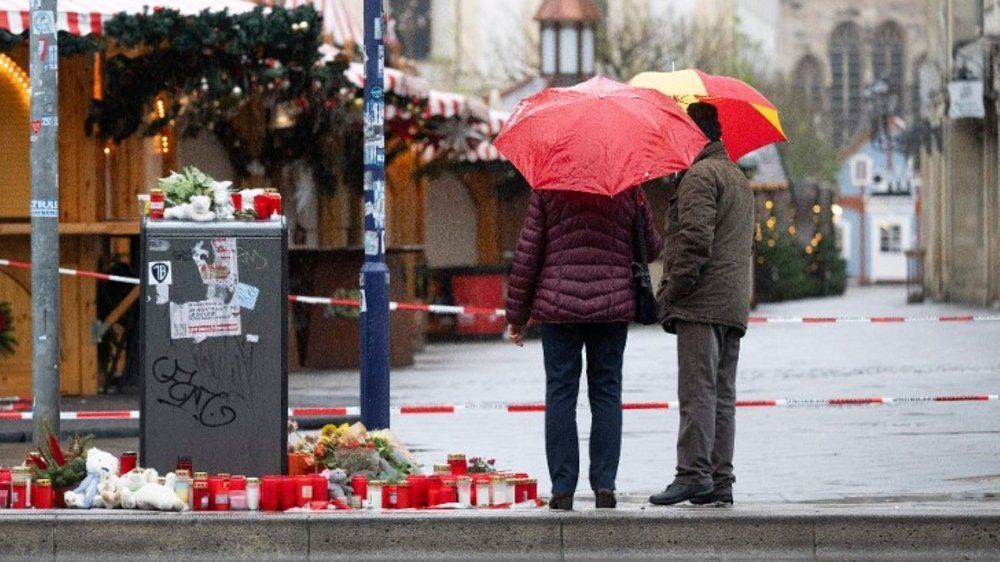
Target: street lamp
{"type": "Point", "coordinates": [568, 39]}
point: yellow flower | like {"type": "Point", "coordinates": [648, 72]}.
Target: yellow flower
{"type": "Point", "coordinates": [329, 430]}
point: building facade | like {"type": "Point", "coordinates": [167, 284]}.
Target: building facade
{"type": "Point", "coordinates": [960, 218]}
{"type": "Point", "coordinates": [834, 50]}
{"type": "Point", "coordinates": [877, 195]}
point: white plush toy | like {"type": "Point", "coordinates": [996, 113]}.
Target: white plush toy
{"type": "Point", "coordinates": [140, 490]}
{"type": "Point", "coordinates": [100, 465]}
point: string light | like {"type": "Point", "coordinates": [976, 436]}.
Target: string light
{"type": "Point", "coordinates": [792, 230]}
{"type": "Point", "coordinates": [771, 223]}
{"type": "Point", "coordinates": [164, 144]}
{"type": "Point", "coordinates": [769, 204]}
{"type": "Point", "coordinates": [12, 70]}
{"type": "Point", "coordinates": [161, 110]}
{"type": "Point", "coordinates": [817, 209]}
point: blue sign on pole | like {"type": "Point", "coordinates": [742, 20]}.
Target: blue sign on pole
{"type": "Point", "coordinates": [374, 273]}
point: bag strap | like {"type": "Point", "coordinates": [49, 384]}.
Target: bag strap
{"type": "Point", "coordinates": [639, 249]}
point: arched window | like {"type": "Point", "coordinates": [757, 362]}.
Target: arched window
{"type": "Point", "coordinates": [846, 74]}
{"type": "Point", "coordinates": [888, 60]}
{"type": "Point", "coordinates": [916, 93]}
{"type": "Point", "coordinates": [809, 81]}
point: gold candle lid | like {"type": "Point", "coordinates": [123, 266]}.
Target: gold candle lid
{"type": "Point", "coordinates": [464, 479]}
{"type": "Point", "coordinates": [43, 482]}
{"type": "Point", "coordinates": [183, 473]}
{"type": "Point", "coordinates": [200, 475]}
{"type": "Point", "coordinates": [442, 469]}
{"type": "Point", "coordinates": [456, 457]}
{"type": "Point", "coordinates": [377, 483]}
{"type": "Point", "coordinates": [253, 480]}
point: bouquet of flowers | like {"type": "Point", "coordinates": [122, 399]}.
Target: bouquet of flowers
{"type": "Point", "coordinates": [354, 449]}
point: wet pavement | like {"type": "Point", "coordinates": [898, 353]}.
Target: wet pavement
{"type": "Point", "coordinates": [865, 454]}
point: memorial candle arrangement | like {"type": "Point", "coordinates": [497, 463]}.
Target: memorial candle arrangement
{"type": "Point", "coordinates": [195, 196]}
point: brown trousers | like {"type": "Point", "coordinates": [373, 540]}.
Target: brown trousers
{"type": "Point", "coordinates": [707, 355]}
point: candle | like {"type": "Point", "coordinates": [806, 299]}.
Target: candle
{"type": "Point", "coordinates": [359, 485]}
{"type": "Point", "coordinates": [465, 490]}
{"type": "Point", "coordinates": [20, 490]}
{"type": "Point", "coordinates": [157, 203]}
{"type": "Point", "coordinates": [200, 495]}
{"type": "Point", "coordinates": [270, 493]}
{"type": "Point", "coordinates": [482, 491]}
{"type": "Point", "coordinates": [433, 490]}
{"type": "Point", "coordinates": [218, 491]}
{"type": "Point", "coordinates": [42, 494]}
{"type": "Point", "coordinates": [182, 486]}
{"type": "Point", "coordinates": [531, 485]}
{"type": "Point", "coordinates": [274, 205]}
{"type": "Point", "coordinates": [375, 493]}
{"type": "Point", "coordinates": [303, 490]}
{"type": "Point", "coordinates": [184, 463]}
{"type": "Point", "coordinates": [442, 469]}
{"type": "Point", "coordinates": [448, 492]}
{"type": "Point", "coordinates": [457, 464]}
{"type": "Point", "coordinates": [403, 499]}
{"type": "Point", "coordinates": [320, 488]}
{"type": "Point", "coordinates": [127, 462]}
{"type": "Point", "coordinates": [287, 493]}
{"type": "Point", "coordinates": [390, 496]}
{"type": "Point", "coordinates": [238, 493]}
{"type": "Point", "coordinates": [261, 206]}
{"type": "Point", "coordinates": [253, 494]}
{"type": "Point", "coordinates": [5, 478]}
{"type": "Point", "coordinates": [418, 490]}
{"type": "Point", "coordinates": [237, 200]}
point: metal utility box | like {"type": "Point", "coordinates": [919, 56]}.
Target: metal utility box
{"type": "Point", "coordinates": [214, 346]}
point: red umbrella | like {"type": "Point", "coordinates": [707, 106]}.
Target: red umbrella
{"type": "Point", "coordinates": [600, 136]}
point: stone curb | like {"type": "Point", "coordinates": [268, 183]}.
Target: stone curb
{"type": "Point", "coordinates": [969, 531]}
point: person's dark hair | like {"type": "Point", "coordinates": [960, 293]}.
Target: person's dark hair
{"type": "Point", "coordinates": [706, 116]}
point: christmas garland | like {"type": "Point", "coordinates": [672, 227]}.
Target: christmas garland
{"type": "Point", "coordinates": [7, 341]}
{"type": "Point", "coordinates": [198, 72]}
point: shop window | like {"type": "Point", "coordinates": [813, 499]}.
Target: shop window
{"type": "Point", "coordinates": [891, 238]}
{"type": "Point", "coordinates": [861, 171]}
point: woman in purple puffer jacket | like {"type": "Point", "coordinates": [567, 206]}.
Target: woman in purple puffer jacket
{"type": "Point", "coordinates": [572, 273]}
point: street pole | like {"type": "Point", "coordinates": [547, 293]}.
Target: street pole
{"type": "Point", "coordinates": [374, 273]}
{"type": "Point", "coordinates": [44, 69]}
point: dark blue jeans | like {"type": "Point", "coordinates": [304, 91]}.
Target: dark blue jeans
{"type": "Point", "coordinates": [563, 345]}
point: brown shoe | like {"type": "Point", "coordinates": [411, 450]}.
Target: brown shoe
{"type": "Point", "coordinates": [605, 499]}
{"type": "Point", "coordinates": [561, 502]}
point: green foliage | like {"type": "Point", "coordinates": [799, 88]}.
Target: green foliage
{"type": "Point", "coordinates": [179, 187]}
{"type": "Point", "coordinates": [783, 270]}
{"type": "Point", "coordinates": [75, 469]}
{"type": "Point", "coordinates": [829, 268]}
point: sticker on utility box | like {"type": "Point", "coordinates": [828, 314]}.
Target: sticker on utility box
{"type": "Point", "coordinates": [201, 319]}
{"type": "Point", "coordinates": [160, 273]}
{"type": "Point", "coordinates": [247, 295]}
{"type": "Point", "coordinates": [47, 208]}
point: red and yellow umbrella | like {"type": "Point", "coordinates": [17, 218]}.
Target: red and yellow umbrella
{"type": "Point", "coordinates": [749, 121]}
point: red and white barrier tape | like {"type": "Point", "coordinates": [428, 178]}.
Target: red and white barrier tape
{"type": "Point", "coordinates": [538, 407]}
{"type": "Point", "coordinates": [499, 312]}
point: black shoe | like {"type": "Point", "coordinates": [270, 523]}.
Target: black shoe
{"type": "Point", "coordinates": [605, 499]}
{"type": "Point", "coordinates": [678, 492]}
{"type": "Point", "coordinates": [721, 496]}
{"type": "Point", "coordinates": [561, 502]}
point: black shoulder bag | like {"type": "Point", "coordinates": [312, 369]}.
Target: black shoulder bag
{"type": "Point", "coordinates": [646, 309]}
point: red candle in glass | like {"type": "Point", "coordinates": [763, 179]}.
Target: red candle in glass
{"type": "Point", "coordinates": [127, 462]}
{"type": "Point", "coordinates": [449, 493]}
{"type": "Point", "coordinates": [274, 204]}
{"type": "Point", "coordinates": [218, 492]}
{"type": "Point", "coordinates": [390, 496]}
{"type": "Point", "coordinates": [200, 495]}
{"type": "Point", "coordinates": [404, 499]}
{"type": "Point", "coordinates": [262, 206]}
{"type": "Point", "coordinates": [418, 490]}
{"type": "Point", "coordinates": [41, 494]}
{"type": "Point", "coordinates": [458, 464]}
{"type": "Point", "coordinates": [237, 199]}
{"type": "Point", "coordinates": [238, 482]}
{"type": "Point", "coordinates": [287, 497]}
{"type": "Point", "coordinates": [433, 485]}
{"type": "Point", "coordinates": [5, 478]}
{"type": "Point", "coordinates": [303, 490]}
{"type": "Point", "coordinates": [359, 484]}
{"type": "Point", "coordinates": [270, 493]}
{"type": "Point", "coordinates": [19, 495]}
{"type": "Point", "coordinates": [320, 488]}
{"type": "Point", "coordinates": [433, 497]}
{"type": "Point", "coordinates": [184, 463]}
{"type": "Point", "coordinates": [532, 488]}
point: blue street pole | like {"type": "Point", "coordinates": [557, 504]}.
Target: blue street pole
{"type": "Point", "coordinates": [374, 273]}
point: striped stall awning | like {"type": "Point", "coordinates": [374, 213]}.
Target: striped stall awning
{"type": "Point", "coordinates": [87, 17]}
{"type": "Point", "coordinates": [449, 104]}
{"type": "Point", "coordinates": [484, 151]}
{"type": "Point", "coordinates": [396, 81]}
{"type": "Point", "coordinates": [342, 20]}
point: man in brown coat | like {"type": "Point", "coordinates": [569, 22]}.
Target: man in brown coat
{"type": "Point", "coordinates": [705, 300]}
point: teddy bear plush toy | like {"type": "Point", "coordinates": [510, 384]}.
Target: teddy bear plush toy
{"type": "Point", "coordinates": [100, 465]}
{"type": "Point", "coordinates": [140, 489]}
{"type": "Point", "coordinates": [340, 485]}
